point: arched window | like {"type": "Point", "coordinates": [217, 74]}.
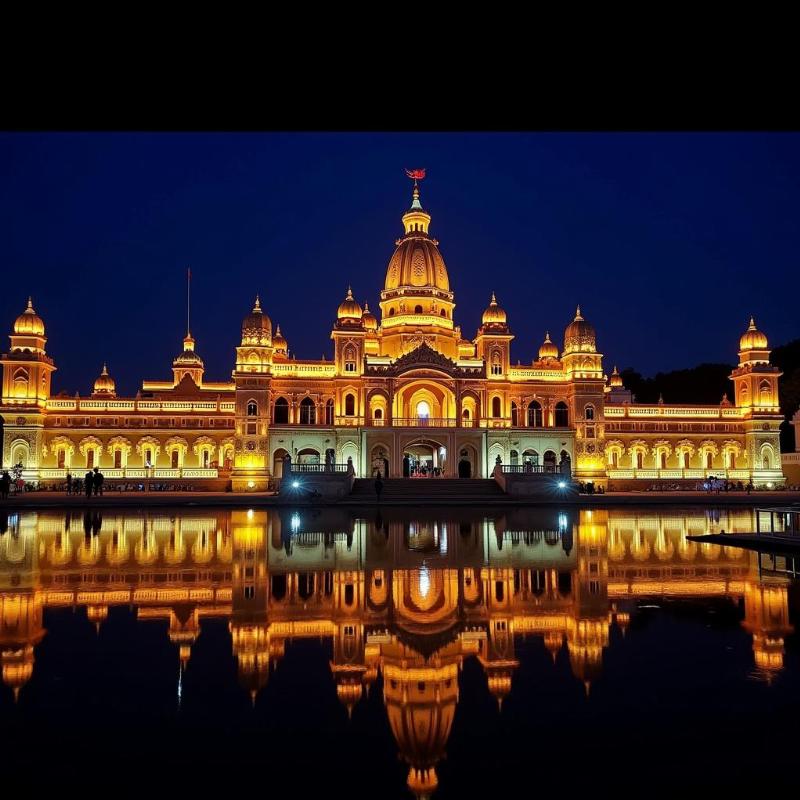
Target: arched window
{"type": "Point", "coordinates": [349, 360]}
{"type": "Point", "coordinates": [20, 382]}
{"type": "Point", "coordinates": [174, 459]}
{"type": "Point", "coordinates": [615, 459]}
{"type": "Point", "coordinates": [663, 459]}
{"type": "Point", "coordinates": [514, 413]}
{"type": "Point", "coordinates": [378, 413]}
{"type": "Point", "coordinates": [349, 405]}
{"type": "Point", "coordinates": [588, 413]}
{"type": "Point", "coordinates": [62, 457]}
{"type": "Point", "coordinates": [148, 457]}
{"type": "Point", "coordinates": [562, 415]}
{"type": "Point", "coordinates": [496, 407]}
{"type": "Point", "coordinates": [549, 461]}
{"type": "Point", "coordinates": [686, 459]}
{"type": "Point", "coordinates": [417, 309]}
{"type": "Point", "coordinates": [534, 414]}
{"type": "Point", "coordinates": [391, 312]}
{"type": "Point", "coordinates": [329, 412]}
{"type": "Point", "coordinates": [497, 366]}
{"type": "Point", "coordinates": [281, 415]}
{"type": "Point", "coordinates": [443, 313]}
{"type": "Point", "coordinates": [308, 412]}
{"type": "Point", "coordinates": [514, 458]}
{"type": "Point", "coordinates": [252, 408]}
{"type": "Point", "coordinates": [765, 392]}
{"type": "Point", "coordinates": [423, 411]}
{"type": "Point", "coordinates": [639, 459]}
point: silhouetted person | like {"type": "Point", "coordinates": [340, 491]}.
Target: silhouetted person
{"type": "Point", "coordinates": [88, 482]}
{"type": "Point", "coordinates": [3, 522]}
{"type": "Point", "coordinates": [5, 485]}
{"type": "Point", "coordinates": [378, 486]}
{"type": "Point", "coordinates": [406, 466]}
{"type": "Point", "coordinates": [97, 481]}
{"type": "Point", "coordinates": [385, 467]}
{"type": "Point", "coordinates": [87, 523]}
{"type": "Point", "coordinates": [69, 483]}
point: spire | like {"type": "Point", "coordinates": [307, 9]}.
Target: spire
{"type": "Point", "coordinates": [547, 337]}
{"type": "Point", "coordinates": [105, 369]}
{"type": "Point", "coordinates": [30, 305]}
{"type": "Point", "coordinates": [349, 293]}
{"type": "Point", "coordinates": [578, 317]}
{"type": "Point", "coordinates": [415, 204]}
{"type": "Point", "coordinates": [366, 307]}
{"type": "Point", "coordinates": [493, 301]}
{"type": "Point", "coordinates": [752, 326]}
{"type": "Point", "coordinates": [615, 372]}
{"type": "Point", "coordinates": [257, 306]}
{"type": "Point", "coordinates": [188, 300]}
{"type": "Point", "coordinates": [278, 331]}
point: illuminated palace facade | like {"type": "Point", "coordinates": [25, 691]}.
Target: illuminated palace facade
{"type": "Point", "coordinates": [399, 598]}
{"type": "Point", "coordinates": [409, 386]}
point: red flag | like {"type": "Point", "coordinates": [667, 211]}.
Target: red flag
{"type": "Point", "coordinates": [416, 174]}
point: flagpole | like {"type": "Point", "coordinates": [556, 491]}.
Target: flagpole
{"type": "Point", "coordinates": [188, 299]}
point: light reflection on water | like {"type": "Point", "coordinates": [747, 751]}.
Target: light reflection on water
{"type": "Point", "coordinates": [397, 601]}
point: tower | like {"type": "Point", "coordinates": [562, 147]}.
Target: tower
{"type": "Point", "coordinates": [493, 342]}
{"type": "Point", "coordinates": [252, 378]}
{"type": "Point", "coordinates": [27, 373]}
{"type": "Point", "coordinates": [755, 383]}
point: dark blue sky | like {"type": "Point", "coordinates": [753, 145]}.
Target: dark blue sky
{"type": "Point", "coordinates": [668, 241]}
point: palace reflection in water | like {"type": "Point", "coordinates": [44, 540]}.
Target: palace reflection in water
{"type": "Point", "coordinates": [407, 596]}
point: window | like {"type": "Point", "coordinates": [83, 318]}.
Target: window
{"type": "Point", "coordinates": [252, 408]}
{"type": "Point", "coordinates": [423, 411]}
{"type": "Point", "coordinates": [417, 309]}
{"type": "Point", "coordinates": [251, 428]}
{"type": "Point", "coordinates": [496, 407]}
{"type": "Point", "coordinates": [90, 459]}
{"type": "Point", "coordinates": [378, 413]}
{"type": "Point", "coordinates": [709, 460]}
{"type": "Point", "coordinates": [443, 313]}
{"type": "Point", "coordinates": [588, 413]}
{"type": "Point", "coordinates": [249, 592]}
{"type": "Point", "coordinates": [497, 366]}
{"type": "Point", "coordinates": [349, 360]}
{"type": "Point", "coordinates": [590, 431]}
{"type": "Point", "coordinates": [61, 458]}
{"type": "Point", "coordinates": [117, 459]}
{"type": "Point", "coordinates": [174, 459]}
{"type": "Point", "coordinates": [562, 415]}
{"type": "Point", "coordinates": [391, 312]}
{"type": "Point", "coordinates": [514, 414]}
{"type": "Point", "coordinates": [329, 412]}
{"type": "Point", "coordinates": [534, 414]}
{"type": "Point", "coordinates": [281, 415]}
{"type": "Point", "coordinates": [308, 412]}
{"type": "Point", "coordinates": [639, 459]}
{"type": "Point", "coordinates": [349, 405]}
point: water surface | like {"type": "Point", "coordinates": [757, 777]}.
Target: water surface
{"type": "Point", "coordinates": [366, 653]}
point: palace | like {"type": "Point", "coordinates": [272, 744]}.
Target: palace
{"type": "Point", "coordinates": [403, 392]}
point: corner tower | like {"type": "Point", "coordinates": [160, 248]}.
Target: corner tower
{"type": "Point", "coordinates": [416, 301]}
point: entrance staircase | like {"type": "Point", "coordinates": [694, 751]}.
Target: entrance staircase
{"type": "Point", "coordinates": [410, 490]}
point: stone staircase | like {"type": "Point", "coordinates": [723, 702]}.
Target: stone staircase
{"type": "Point", "coordinates": [402, 490]}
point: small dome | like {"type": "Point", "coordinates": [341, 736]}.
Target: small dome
{"type": "Point", "coordinates": [257, 327]}
{"type": "Point", "coordinates": [349, 310]}
{"type": "Point", "coordinates": [29, 323]}
{"type": "Point", "coordinates": [494, 315]}
{"type": "Point", "coordinates": [188, 358]}
{"type": "Point", "coordinates": [752, 338]}
{"type": "Point", "coordinates": [369, 319]}
{"type": "Point", "coordinates": [616, 378]}
{"type": "Point", "coordinates": [579, 336]}
{"type": "Point", "coordinates": [279, 342]}
{"type": "Point", "coordinates": [105, 383]}
{"type": "Point", "coordinates": [548, 348]}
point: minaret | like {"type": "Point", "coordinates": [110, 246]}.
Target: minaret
{"type": "Point", "coordinates": [756, 388]}
{"type": "Point", "coordinates": [27, 373]}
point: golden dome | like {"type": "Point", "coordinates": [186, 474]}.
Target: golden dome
{"type": "Point", "coordinates": [579, 336]}
{"type": "Point", "coordinates": [279, 342]}
{"type": "Point", "coordinates": [349, 310]}
{"type": "Point", "coordinates": [494, 315]}
{"type": "Point", "coordinates": [752, 338]}
{"type": "Point", "coordinates": [29, 323]}
{"type": "Point", "coordinates": [257, 327]}
{"type": "Point", "coordinates": [369, 319]}
{"type": "Point", "coordinates": [188, 358]}
{"type": "Point", "coordinates": [548, 348]}
{"type": "Point", "coordinates": [417, 262]}
{"type": "Point", "coordinates": [105, 383]}
{"type": "Point", "coordinates": [616, 378]}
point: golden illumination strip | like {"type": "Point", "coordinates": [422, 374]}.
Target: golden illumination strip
{"type": "Point", "coordinates": [416, 320]}
{"type": "Point", "coordinates": [325, 370]}
{"type": "Point", "coordinates": [303, 629]}
{"type": "Point", "coordinates": [540, 622]}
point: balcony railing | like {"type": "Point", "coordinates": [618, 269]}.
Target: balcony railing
{"type": "Point", "coordinates": [114, 473]}
{"type": "Point", "coordinates": [531, 469]}
{"type": "Point", "coordinates": [319, 467]}
{"type": "Point", "coordinates": [694, 474]}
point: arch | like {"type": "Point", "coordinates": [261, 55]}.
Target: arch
{"type": "Point", "coordinates": [308, 412]}
{"type": "Point", "coordinates": [765, 393]}
{"type": "Point", "coordinates": [329, 411]}
{"type": "Point", "coordinates": [226, 453]}
{"type": "Point", "coordinates": [378, 404]}
{"type": "Point", "coordinates": [119, 447]}
{"type": "Point", "coordinates": [379, 460]}
{"type": "Point", "coordinates": [308, 455]}
{"type": "Point", "coordinates": [203, 447]}
{"type": "Point", "coordinates": [20, 452]}
{"type": "Point", "coordinates": [277, 462]}
{"type": "Point", "coordinates": [20, 383]}
{"type": "Point", "coordinates": [148, 447]}
{"type": "Point", "coordinates": [535, 417]}
{"type": "Point", "coordinates": [467, 466]}
{"type": "Point", "coordinates": [530, 456]}
{"type": "Point", "coordinates": [349, 405]}
{"type": "Point", "coordinates": [470, 409]}
{"type": "Point", "coordinates": [63, 449]}
{"type": "Point", "coordinates": [497, 363]}
{"type": "Point", "coordinates": [549, 460]}
{"type": "Point", "coordinates": [614, 452]}
{"type": "Point", "coordinates": [497, 407]}
{"type": "Point", "coordinates": [90, 448]}
{"type": "Point", "coordinates": [588, 412]}
{"type": "Point", "coordinates": [731, 450]}
{"type": "Point", "coordinates": [561, 415]}
{"type": "Point", "coordinates": [280, 413]}
{"type": "Point", "coordinates": [418, 309]}
{"type": "Point", "coordinates": [252, 408]}
{"type": "Point", "coordinates": [767, 454]}
{"type": "Point", "coordinates": [439, 397]}
{"type": "Point", "coordinates": [513, 458]}
{"type": "Point", "coordinates": [176, 447]}
{"type": "Point", "coordinates": [350, 450]}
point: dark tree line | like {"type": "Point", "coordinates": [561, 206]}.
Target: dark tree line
{"type": "Point", "coordinates": [707, 383]}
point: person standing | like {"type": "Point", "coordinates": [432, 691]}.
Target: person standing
{"type": "Point", "coordinates": [88, 482]}
{"type": "Point", "coordinates": [69, 483]}
{"type": "Point", "coordinates": [378, 486]}
{"type": "Point", "coordinates": [98, 481]}
{"type": "Point", "coordinates": [385, 467]}
{"type": "Point", "coordinates": [5, 485]}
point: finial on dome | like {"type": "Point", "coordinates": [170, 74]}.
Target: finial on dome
{"type": "Point", "coordinates": [105, 369]}
{"type": "Point", "coordinates": [752, 326]}
{"type": "Point", "coordinates": [578, 316]}
{"type": "Point", "coordinates": [30, 302]}
{"type": "Point", "coordinates": [278, 331]}
{"type": "Point", "coordinates": [349, 293]}
{"type": "Point", "coordinates": [615, 372]}
{"type": "Point", "coordinates": [547, 336]}
{"type": "Point", "coordinates": [257, 305]}
{"type": "Point", "coordinates": [493, 301]}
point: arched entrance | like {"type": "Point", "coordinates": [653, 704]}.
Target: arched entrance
{"type": "Point", "coordinates": [379, 461]}
{"type": "Point", "coordinates": [467, 462]}
{"type": "Point", "coordinates": [277, 462]}
{"type": "Point", "coordinates": [425, 458]}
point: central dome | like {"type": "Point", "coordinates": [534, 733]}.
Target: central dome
{"type": "Point", "coordinates": [417, 262]}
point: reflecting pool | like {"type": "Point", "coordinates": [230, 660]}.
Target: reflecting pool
{"type": "Point", "coordinates": [393, 653]}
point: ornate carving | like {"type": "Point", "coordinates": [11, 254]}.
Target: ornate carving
{"type": "Point", "coordinates": [421, 357]}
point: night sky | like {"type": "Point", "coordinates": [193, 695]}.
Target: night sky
{"type": "Point", "coordinates": [668, 241]}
